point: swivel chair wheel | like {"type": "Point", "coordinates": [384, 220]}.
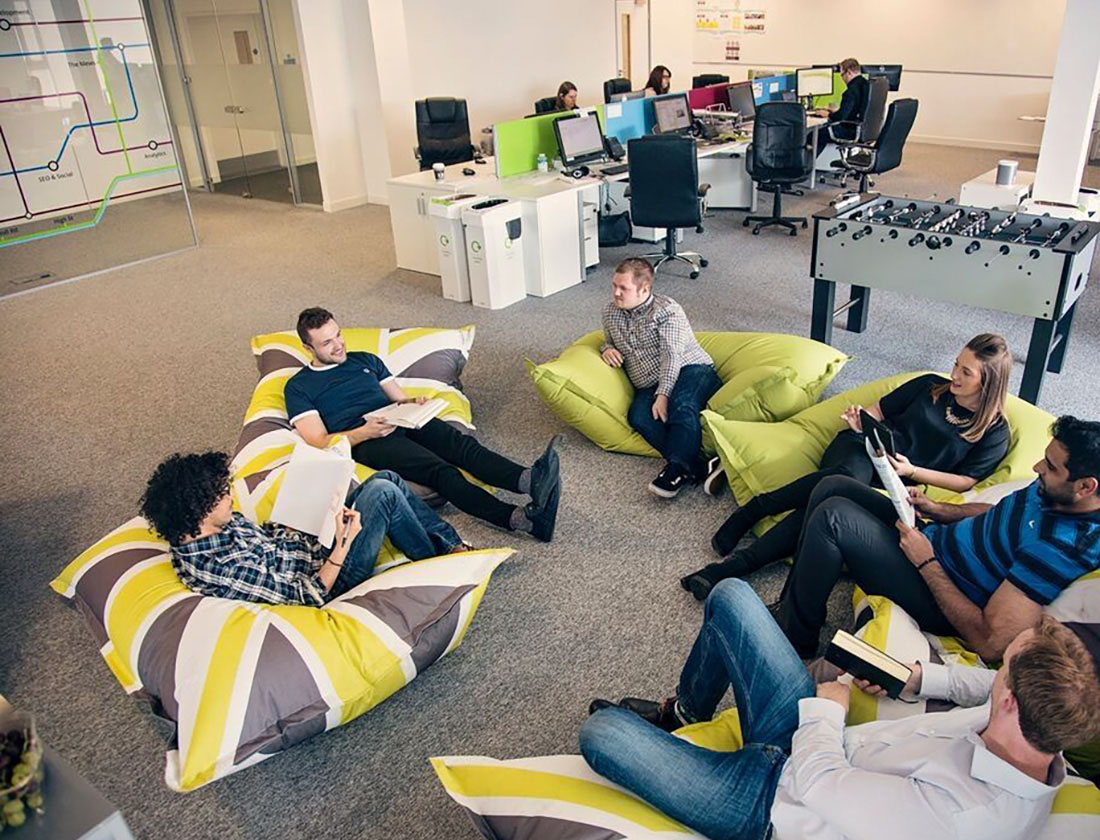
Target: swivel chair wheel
{"type": "Point", "coordinates": [698, 228]}
{"type": "Point", "coordinates": [694, 274]}
{"type": "Point", "coordinates": [745, 222]}
{"type": "Point", "coordinates": [756, 231]}
{"type": "Point", "coordinates": [703, 263]}
{"type": "Point", "coordinates": [805, 224]}
{"type": "Point", "coordinates": [793, 232]}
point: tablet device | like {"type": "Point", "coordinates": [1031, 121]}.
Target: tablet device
{"type": "Point", "coordinates": [880, 435]}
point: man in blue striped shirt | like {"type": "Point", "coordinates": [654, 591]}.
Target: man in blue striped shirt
{"type": "Point", "coordinates": [979, 571]}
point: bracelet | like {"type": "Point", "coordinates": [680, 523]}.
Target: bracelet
{"type": "Point", "coordinates": [337, 565]}
{"type": "Point", "coordinates": [924, 563]}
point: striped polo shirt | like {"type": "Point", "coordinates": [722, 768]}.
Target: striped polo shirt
{"type": "Point", "coordinates": [1040, 551]}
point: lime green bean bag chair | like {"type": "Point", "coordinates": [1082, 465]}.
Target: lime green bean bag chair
{"type": "Point", "coordinates": [760, 457]}
{"type": "Point", "coordinates": [766, 377]}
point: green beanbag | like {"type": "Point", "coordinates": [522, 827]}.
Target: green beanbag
{"type": "Point", "coordinates": [766, 377]}
{"type": "Point", "coordinates": [759, 457]}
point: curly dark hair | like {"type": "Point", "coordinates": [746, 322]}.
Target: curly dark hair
{"type": "Point", "coordinates": [1082, 439]}
{"type": "Point", "coordinates": [311, 319]}
{"type": "Point", "coordinates": [182, 491]}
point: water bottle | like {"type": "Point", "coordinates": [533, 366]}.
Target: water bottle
{"type": "Point", "coordinates": [541, 162]}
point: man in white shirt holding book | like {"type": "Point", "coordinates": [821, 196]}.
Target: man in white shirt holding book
{"type": "Point", "coordinates": [988, 770]}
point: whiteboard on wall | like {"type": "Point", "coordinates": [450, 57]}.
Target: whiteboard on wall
{"type": "Point", "coordinates": [963, 36]}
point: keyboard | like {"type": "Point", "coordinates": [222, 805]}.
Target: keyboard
{"type": "Point", "coordinates": [617, 169]}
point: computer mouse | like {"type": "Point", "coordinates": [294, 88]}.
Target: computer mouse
{"type": "Point", "coordinates": [468, 171]}
{"type": "Point", "coordinates": [479, 160]}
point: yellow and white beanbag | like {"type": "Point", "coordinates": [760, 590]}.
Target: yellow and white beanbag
{"type": "Point", "coordinates": [561, 798]}
{"type": "Point", "coordinates": [426, 362]}
{"type": "Point", "coordinates": [243, 681]}
{"type": "Point", "coordinates": [765, 377]}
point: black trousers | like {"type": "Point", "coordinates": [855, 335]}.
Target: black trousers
{"type": "Point", "coordinates": [433, 456]}
{"type": "Point", "coordinates": [849, 524]}
{"type": "Point", "coordinates": [847, 456]}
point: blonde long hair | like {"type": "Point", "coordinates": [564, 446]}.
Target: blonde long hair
{"type": "Point", "coordinates": [996, 360]}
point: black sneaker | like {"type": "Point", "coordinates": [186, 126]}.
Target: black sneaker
{"type": "Point", "coordinates": [715, 482]}
{"type": "Point", "coordinates": [661, 714]}
{"type": "Point", "coordinates": [545, 473]}
{"type": "Point", "coordinates": [669, 482]}
{"type": "Point", "coordinates": [545, 517]}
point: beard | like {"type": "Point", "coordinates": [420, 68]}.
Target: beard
{"type": "Point", "coordinates": [1063, 495]}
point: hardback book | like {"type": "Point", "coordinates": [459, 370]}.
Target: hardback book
{"type": "Point", "coordinates": [867, 662]}
{"type": "Point", "coordinates": [410, 415]}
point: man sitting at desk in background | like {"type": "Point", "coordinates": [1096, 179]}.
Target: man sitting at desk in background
{"type": "Point", "coordinates": [336, 394]}
{"type": "Point", "coordinates": [853, 104]}
{"type": "Point", "coordinates": [977, 571]}
{"type": "Point", "coordinates": [673, 377]}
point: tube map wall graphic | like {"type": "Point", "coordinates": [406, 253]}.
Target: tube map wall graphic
{"type": "Point", "coordinates": [82, 121]}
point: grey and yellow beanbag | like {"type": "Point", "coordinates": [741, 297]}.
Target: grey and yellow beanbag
{"type": "Point", "coordinates": [766, 377]}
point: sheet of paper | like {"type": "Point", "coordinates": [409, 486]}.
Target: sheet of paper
{"type": "Point", "coordinates": [613, 110]}
{"type": "Point", "coordinates": [313, 490]}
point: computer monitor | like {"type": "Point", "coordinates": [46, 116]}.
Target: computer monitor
{"type": "Point", "coordinates": [814, 81]}
{"type": "Point", "coordinates": [630, 94]}
{"type": "Point", "coordinates": [580, 139]}
{"type": "Point", "coordinates": [892, 72]}
{"type": "Point", "coordinates": [742, 101]}
{"type": "Point", "coordinates": [673, 113]}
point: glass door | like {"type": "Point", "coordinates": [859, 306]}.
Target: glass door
{"type": "Point", "coordinates": [241, 97]}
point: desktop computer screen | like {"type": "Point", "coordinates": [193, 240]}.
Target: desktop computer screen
{"type": "Point", "coordinates": [579, 139]}
{"type": "Point", "coordinates": [815, 81]}
{"type": "Point", "coordinates": [630, 94]}
{"type": "Point", "coordinates": [673, 113]}
{"type": "Point", "coordinates": [742, 100]}
{"type": "Point", "coordinates": [892, 72]}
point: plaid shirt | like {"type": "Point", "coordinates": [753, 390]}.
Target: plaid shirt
{"type": "Point", "coordinates": [275, 565]}
{"type": "Point", "coordinates": [655, 339]}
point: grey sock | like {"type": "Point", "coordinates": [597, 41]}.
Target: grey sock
{"type": "Point", "coordinates": [524, 483]}
{"type": "Point", "coordinates": [519, 520]}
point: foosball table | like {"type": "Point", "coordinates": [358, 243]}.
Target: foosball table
{"type": "Point", "coordinates": [1036, 266]}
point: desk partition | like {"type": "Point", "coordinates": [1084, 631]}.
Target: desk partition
{"type": "Point", "coordinates": [517, 144]}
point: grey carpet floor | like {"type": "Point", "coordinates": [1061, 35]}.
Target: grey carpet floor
{"type": "Point", "coordinates": [105, 376]}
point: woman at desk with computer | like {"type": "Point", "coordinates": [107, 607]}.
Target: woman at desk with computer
{"type": "Point", "coordinates": [660, 80]}
{"type": "Point", "coordinates": [949, 433]}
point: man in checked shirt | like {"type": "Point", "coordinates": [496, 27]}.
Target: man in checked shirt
{"type": "Point", "coordinates": [649, 336]}
{"type": "Point", "coordinates": [220, 553]}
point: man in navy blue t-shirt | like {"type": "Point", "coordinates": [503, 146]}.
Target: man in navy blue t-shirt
{"type": "Point", "coordinates": [982, 572]}
{"type": "Point", "coordinates": [336, 394]}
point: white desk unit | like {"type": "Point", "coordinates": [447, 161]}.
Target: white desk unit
{"type": "Point", "coordinates": [984, 191]}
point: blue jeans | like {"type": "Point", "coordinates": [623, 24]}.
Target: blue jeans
{"type": "Point", "coordinates": [722, 795]}
{"type": "Point", "coordinates": [388, 507]}
{"type": "Point", "coordinates": [680, 439]}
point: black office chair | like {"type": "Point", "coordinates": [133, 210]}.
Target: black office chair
{"type": "Point", "coordinates": [778, 157]}
{"type": "Point", "coordinates": [665, 192]}
{"type": "Point", "coordinates": [707, 79]}
{"type": "Point", "coordinates": [885, 153]}
{"type": "Point", "coordinates": [613, 86]}
{"type": "Point", "coordinates": [863, 131]}
{"type": "Point", "coordinates": [443, 131]}
{"type": "Point", "coordinates": [546, 105]}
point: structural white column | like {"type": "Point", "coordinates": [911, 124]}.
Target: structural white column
{"type": "Point", "coordinates": [391, 57]}
{"type": "Point", "coordinates": [1064, 150]}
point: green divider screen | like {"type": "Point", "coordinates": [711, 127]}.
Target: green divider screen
{"type": "Point", "coordinates": [517, 144]}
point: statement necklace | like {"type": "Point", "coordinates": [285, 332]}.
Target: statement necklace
{"type": "Point", "coordinates": [954, 419]}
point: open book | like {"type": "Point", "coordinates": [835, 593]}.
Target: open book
{"type": "Point", "coordinates": [890, 480]}
{"type": "Point", "coordinates": [314, 487]}
{"type": "Point", "coordinates": [410, 415]}
{"type": "Point", "coordinates": [867, 662]}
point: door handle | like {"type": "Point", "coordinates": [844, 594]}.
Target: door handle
{"type": "Point", "coordinates": [234, 109]}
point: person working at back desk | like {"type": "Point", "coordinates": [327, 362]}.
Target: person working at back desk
{"type": "Point", "coordinates": [853, 104]}
{"type": "Point", "coordinates": [566, 100]}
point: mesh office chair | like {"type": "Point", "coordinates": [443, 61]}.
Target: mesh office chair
{"type": "Point", "coordinates": [443, 131]}
{"type": "Point", "coordinates": [613, 86]}
{"type": "Point", "coordinates": [778, 157]}
{"type": "Point", "coordinates": [707, 79]}
{"type": "Point", "coordinates": [885, 153]}
{"type": "Point", "coordinates": [665, 192]}
{"type": "Point", "coordinates": [546, 105]}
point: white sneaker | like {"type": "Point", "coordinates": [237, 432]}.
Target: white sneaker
{"type": "Point", "coordinates": [715, 482]}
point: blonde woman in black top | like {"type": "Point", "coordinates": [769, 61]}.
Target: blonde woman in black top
{"type": "Point", "coordinates": [949, 433]}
